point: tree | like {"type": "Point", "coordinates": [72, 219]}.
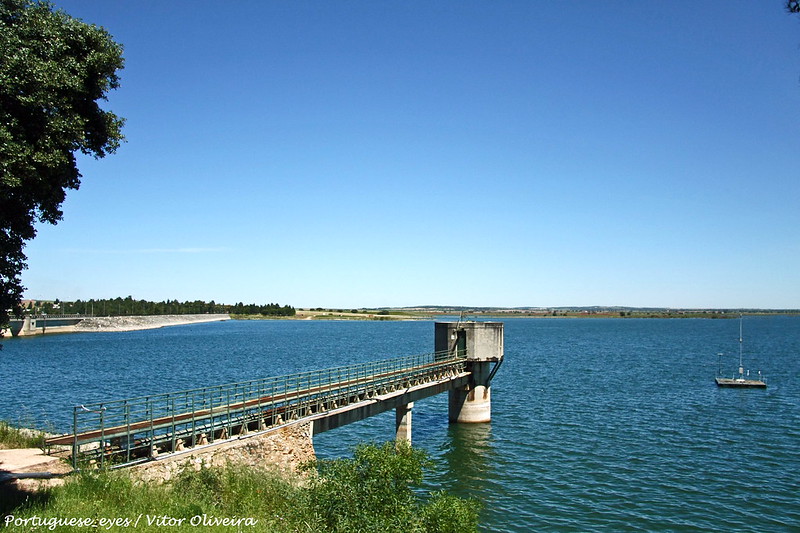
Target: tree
{"type": "Point", "coordinates": [53, 70]}
{"type": "Point", "coordinates": [793, 6]}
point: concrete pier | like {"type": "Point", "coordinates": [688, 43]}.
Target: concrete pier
{"type": "Point", "coordinates": [482, 344]}
{"type": "Point", "coordinates": [403, 421]}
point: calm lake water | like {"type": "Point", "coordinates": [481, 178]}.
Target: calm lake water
{"type": "Point", "coordinates": [598, 424]}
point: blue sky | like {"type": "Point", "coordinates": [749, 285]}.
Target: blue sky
{"type": "Point", "coordinates": [347, 154]}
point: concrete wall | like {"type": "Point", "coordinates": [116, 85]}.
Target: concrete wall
{"type": "Point", "coordinates": [486, 342]}
{"type": "Point", "coordinates": [39, 325]}
{"type": "Point", "coordinates": [483, 341]}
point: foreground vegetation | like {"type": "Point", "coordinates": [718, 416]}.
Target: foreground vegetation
{"type": "Point", "coordinates": [372, 492]}
{"type": "Point", "coordinates": [14, 437]}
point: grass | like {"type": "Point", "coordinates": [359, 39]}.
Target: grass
{"type": "Point", "coordinates": [248, 499]}
{"type": "Point", "coordinates": [333, 498]}
{"type": "Point", "coordinates": [13, 437]}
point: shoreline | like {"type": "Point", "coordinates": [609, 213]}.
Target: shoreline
{"type": "Point", "coordinates": [122, 323]}
{"type": "Point", "coordinates": [137, 323]}
{"type": "Point", "coordinates": [145, 322]}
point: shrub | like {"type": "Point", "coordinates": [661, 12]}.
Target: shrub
{"type": "Point", "coordinates": [374, 492]}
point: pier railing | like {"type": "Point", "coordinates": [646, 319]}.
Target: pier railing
{"type": "Point", "coordinates": [126, 431]}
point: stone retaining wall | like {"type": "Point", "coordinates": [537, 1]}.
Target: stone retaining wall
{"type": "Point", "coordinates": [282, 449]}
{"type": "Point", "coordinates": [132, 323]}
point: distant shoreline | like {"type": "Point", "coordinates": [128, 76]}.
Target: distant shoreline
{"type": "Point", "coordinates": [432, 314]}
{"type": "Point", "coordinates": [144, 322]}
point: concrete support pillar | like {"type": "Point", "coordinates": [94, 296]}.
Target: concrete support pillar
{"type": "Point", "coordinates": [403, 421]}
{"type": "Point", "coordinates": [473, 403]}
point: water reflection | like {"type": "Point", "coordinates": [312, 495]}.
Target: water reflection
{"type": "Point", "coordinates": [468, 456]}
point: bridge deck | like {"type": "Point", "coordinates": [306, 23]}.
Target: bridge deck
{"type": "Point", "coordinates": [126, 430]}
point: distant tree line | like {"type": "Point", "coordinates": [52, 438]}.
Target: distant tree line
{"type": "Point", "coordinates": [267, 310]}
{"type": "Point", "coordinates": [130, 306]}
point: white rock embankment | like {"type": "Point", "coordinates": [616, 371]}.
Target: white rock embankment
{"type": "Point", "coordinates": [133, 323]}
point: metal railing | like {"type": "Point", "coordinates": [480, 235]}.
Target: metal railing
{"type": "Point", "coordinates": [123, 432]}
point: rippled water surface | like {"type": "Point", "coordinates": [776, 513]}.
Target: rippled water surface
{"type": "Point", "coordinates": [598, 424]}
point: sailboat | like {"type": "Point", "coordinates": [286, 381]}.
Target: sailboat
{"type": "Point", "coordinates": [740, 381]}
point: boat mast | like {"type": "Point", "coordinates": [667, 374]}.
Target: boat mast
{"type": "Point", "coordinates": [741, 365]}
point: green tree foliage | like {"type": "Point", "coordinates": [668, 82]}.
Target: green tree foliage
{"type": "Point", "coordinates": [53, 71]}
{"type": "Point", "coordinates": [373, 492]}
{"type": "Point", "coordinates": [129, 306]}
{"type": "Point", "coordinates": [793, 6]}
{"type": "Point", "coordinates": [266, 310]}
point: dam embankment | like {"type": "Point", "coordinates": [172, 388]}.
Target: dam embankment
{"type": "Point", "coordinates": [38, 326]}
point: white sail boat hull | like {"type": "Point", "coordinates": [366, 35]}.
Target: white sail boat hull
{"type": "Point", "coordinates": [731, 382]}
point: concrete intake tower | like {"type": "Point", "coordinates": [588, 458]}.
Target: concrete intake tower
{"type": "Point", "coordinates": [482, 344]}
